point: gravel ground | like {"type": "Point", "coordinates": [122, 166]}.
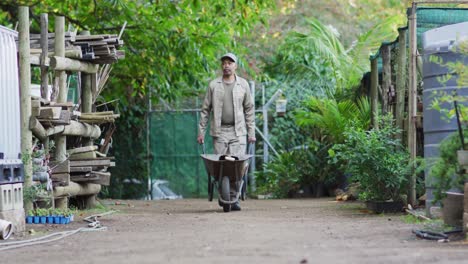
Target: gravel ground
{"type": "Point", "coordinates": [265, 231]}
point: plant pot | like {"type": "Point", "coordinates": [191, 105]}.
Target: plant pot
{"type": "Point", "coordinates": [43, 219]}
{"type": "Point", "coordinates": [384, 206]}
{"type": "Point", "coordinates": [36, 219]}
{"type": "Point", "coordinates": [50, 219]}
{"type": "Point", "coordinates": [29, 219]}
{"type": "Point", "coordinates": [56, 219]}
{"type": "Point", "coordinates": [452, 210]}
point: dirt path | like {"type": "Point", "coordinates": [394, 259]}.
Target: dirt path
{"type": "Point", "coordinates": [265, 231]}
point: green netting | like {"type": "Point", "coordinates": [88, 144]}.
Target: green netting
{"type": "Point", "coordinates": [428, 18]}
{"type": "Point", "coordinates": [176, 154]}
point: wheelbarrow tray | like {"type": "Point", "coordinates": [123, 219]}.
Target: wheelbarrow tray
{"type": "Point", "coordinates": [235, 170]}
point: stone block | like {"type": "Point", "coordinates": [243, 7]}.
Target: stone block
{"type": "Point", "coordinates": [6, 197]}
{"type": "Point", "coordinates": [17, 191]}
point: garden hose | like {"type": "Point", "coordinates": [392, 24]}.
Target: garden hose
{"type": "Point", "coordinates": [93, 225]}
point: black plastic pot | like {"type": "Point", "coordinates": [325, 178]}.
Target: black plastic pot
{"type": "Point", "coordinates": [384, 207]}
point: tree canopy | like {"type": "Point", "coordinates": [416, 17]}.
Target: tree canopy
{"type": "Point", "coordinates": [171, 46]}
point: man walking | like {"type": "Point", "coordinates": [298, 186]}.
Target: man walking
{"type": "Point", "coordinates": [229, 101]}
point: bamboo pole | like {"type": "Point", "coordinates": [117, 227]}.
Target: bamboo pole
{"type": "Point", "coordinates": [25, 82]}
{"type": "Point", "coordinates": [412, 103]}
{"type": "Point", "coordinates": [374, 93]}
{"type": "Point", "coordinates": [61, 79]}
{"type": "Point", "coordinates": [401, 82]}
{"type": "Point", "coordinates": [386, 76]}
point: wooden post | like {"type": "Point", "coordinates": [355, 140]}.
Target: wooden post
{"type": "Point", "coordinates": [386, 76]}
{"type": "Point", "coordinates": [401, 82]}
{"type": "Point", "coordinates": [412, 103]}
{"type": "Point", "coordinates": [44, 69]}
{"type": "Point", "coordinates": [374, 93]}
{"type": "Point", "coordinates": [60, 140]}
{"type": "Point", "coordinates": [25, 83]}
{"type": "Point", "coordinates": [86, 94]}
{"type": "Point", "coordinates": [44, 55]}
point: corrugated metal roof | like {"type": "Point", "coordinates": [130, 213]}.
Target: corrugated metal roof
{"type": "Point", "coordinates": [10, 127]}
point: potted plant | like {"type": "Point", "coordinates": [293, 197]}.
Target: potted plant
{"type": "Point", "coordinates": [42, 213]}
{"type": "Point", "coordinates": [57, 215]}
{"type": "Point", "coordinates": [449, 180]}
{"type": "Point", "coordinates": [378, 162]}
{"type": "Point", "coordinates": [50, 216]}
{"type": "Point", "coordinates": [30, 217]}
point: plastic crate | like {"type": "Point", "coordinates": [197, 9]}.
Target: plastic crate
{"type": "Point", "coordinates": [11, 171]}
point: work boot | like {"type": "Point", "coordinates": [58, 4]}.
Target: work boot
{"type": "Point", "coordinates": [235, 206]}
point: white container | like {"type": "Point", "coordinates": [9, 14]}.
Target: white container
{"type": "Point", "coordinates": [10, 126]}
{"type": "Point", "coordinates": [281, 106]}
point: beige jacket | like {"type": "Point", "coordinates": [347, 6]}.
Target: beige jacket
{"type": "Point", "coordinates": [244, 115]}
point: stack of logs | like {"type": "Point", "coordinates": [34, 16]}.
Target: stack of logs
{"type": "Point", "coordinates": [84, 164]}
{"type": "Point", "coordinates": [97, 49]}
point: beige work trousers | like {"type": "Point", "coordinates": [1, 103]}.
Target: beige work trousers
{"type": "Point", "coordinates": [229, 143]}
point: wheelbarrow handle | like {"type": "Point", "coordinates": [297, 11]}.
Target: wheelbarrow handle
{"type": "Point", "coordinates": [203, 147]}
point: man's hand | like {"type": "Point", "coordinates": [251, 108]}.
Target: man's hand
{"type": "Point", "coordinates": [252, 140]}
{"type": "Point", "coordinates": [201, 139]}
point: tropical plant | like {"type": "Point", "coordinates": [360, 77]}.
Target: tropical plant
{"type": "Point", "coordinates": [376, 160]}
{"type": "Point", "coordinates": [317, 60]}
{"type": "Point", "coordinates": [445, 169]}
{"type": "Point", "coordinates": [304, 167]}
{"type": "Point", "coordinates": [332, 118]}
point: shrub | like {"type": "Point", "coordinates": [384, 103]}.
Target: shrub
{"type": "Point", "coordinates": [376, 160]}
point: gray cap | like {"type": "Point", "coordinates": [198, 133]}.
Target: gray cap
{"type": "Point", "coordinates": [230, 56]}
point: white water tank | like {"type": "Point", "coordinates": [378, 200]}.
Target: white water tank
{"type": "Point", "coordinates": [10, 126]}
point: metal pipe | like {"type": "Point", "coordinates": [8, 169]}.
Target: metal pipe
{"type": "Point", "coordinates": [265, 124]}
{"type": "Point", "coordinates": [6, 229]}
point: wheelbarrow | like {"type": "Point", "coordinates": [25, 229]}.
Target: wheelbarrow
{"type": "Point", "coordinates": [224, 170]}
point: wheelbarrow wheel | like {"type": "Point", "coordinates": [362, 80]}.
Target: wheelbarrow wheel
{"type": "Point", "coordinates": [226, 193]}
{"type": "Point", "coordinates": [210, 189]}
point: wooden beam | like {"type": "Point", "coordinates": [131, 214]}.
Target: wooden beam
{"type": "Point", "coordinates": [66, 64]}
{"type": "Point", "coordinates": [37, 129]}
{"type": "Point", "coordinates": [412, 101]}
{"type": "Point", "coordinates": [374, 93]}
{"type": "Point", "coordinates": [75, 189]}
{"type": "Point", "coordinates": [60, 166]}
{"type": "Point", "coordinates": [81, 169]}
{"type": "Point", "coordinates": [401, 83]}
{"type": "Point", "coordinates": [81, 150]}
{"type": "Point", "coordinates": [90, 163]}
{"type": "Point", "coordinates": [50, 112]}
{"type": "Point", "coordinates": [62, 178]}
{"type": "Point", "coordinates": [76, 129]}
